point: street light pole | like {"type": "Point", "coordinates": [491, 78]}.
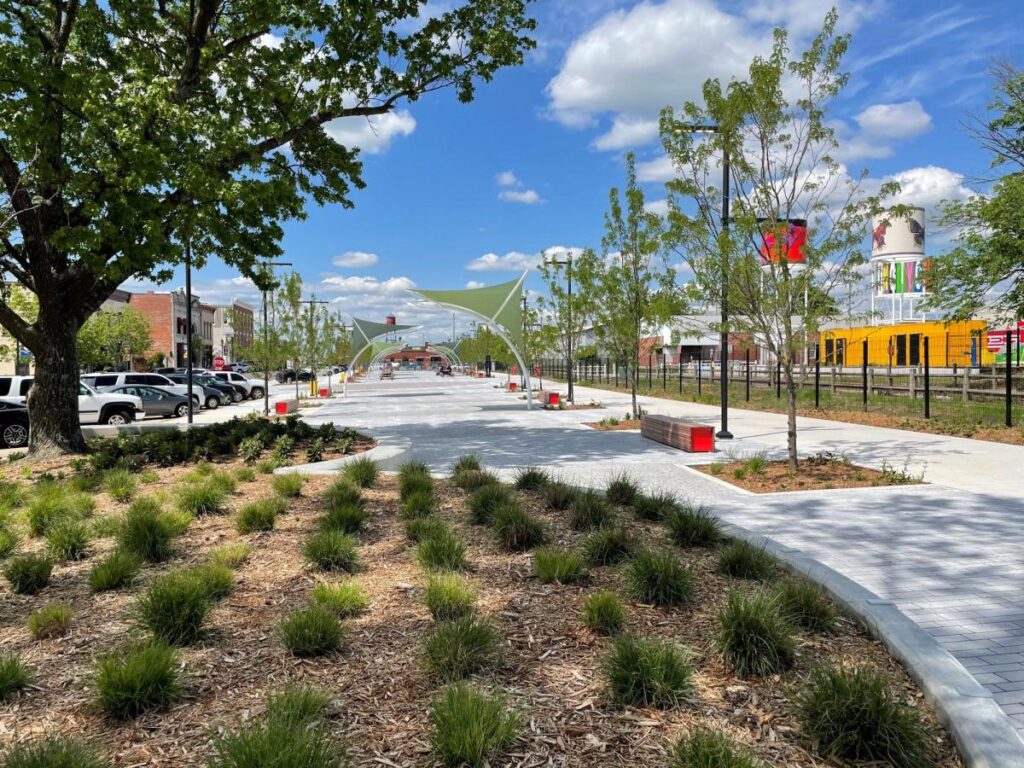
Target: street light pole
{"type": "Point", "coordinates": [568, 336]}
{"type": "Point", "coordinates": [188, 322]}
{"type": "Point", "coordinates": [266, 337]}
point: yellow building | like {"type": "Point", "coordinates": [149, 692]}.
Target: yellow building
{"type": "Point", "coordinates": [956, 343]}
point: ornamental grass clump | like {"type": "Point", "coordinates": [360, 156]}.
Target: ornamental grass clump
{"type": "Point", "coordinates": [288, 485]}
{"type": "Point", "coordinates": [474, 479]}
{"type": "Point", "coordinates": [658, 577]}
{"type": "Point", "coordinates": [531, 479]}
{"type": "Point", "coordinates": [419, 503]}
{"type": "Point", "coordinates": [467, 463]}
{"type": "Point", "coordinates": [119, 569]}
{"type": "Point", "coordinates": [175, 607]}
{"type": "Point", "coordinates": [341, 492]}
{"type": "Point", "coordinates": [14, 675]}
{"type": "Point", "coordinates": [484, 501]}
{"type": "Point", "coordinates": [312, 631]}
{"type": "Point", "coordinates": [589, 510]}
{"type": "Point", "coordinates": [692, 527]}
{"type": "Point", "coordinates": [805, 605]}
{"type": "Point", "coordinates": [120, 484]}
{"type": "Point", "coordinates": [559, 496]}
{"type": "Point", "coordinates": [753, 637]}
{"type": "Point", "coordinates": [449, 597]}
{"type": "Point", "coordinates": [654, 507]}
{"type": "Point", "coordinates": [421, 528]}
{"type": "Point", "coordinates": [217, 580]}
{"type": "Point", "coordinates": [647, 673]}
{"type": "Point", "coordinates": [147, 532]}
{"type": "Point", "coordinates": [414, 480]}
{"type": "Point", "coordinates": [54, 752]}
{"type": "Point", "coordinates": [610, 545]}
{"type": "Point", "coordinates": [469, 728]}
{"type": "Point", "coordinates": [343, 600]}
{"type": "Point", "coordinates": [206, 497]}
{"type": "Point", "coordinates": [50, 621]}
{"type": "Point", "coordinates": [344, 518]}
{"type": "Point", "coordinates": [443, 551]}
{"type": "Point", "coordinates": [454, 650]}
{"type": "Point", "coordinates": [332, 551]}
{"type": "Point", "coordinates": [231, 555]}
{"type": "Point", "coordinates": [298, 705]}
{"type": "Point", "coordinates": [273, 742]}
{"type": "Point", "coordinates": [259, 515]}
{"type": "Point", "coordinates": [52, 502]}
{"type": "Point", "coordinates": [709, 749]}
{"type": "Point", "coordinates": [743, 560]}
{"type": "Point", "coordinates": [67, 539]}
{"type": "Point", "coordinates": [27, 574]}
{"type": "Point", "coordinates": [362, 472]}
{"type": "Point", "coordinates": [138, 679]}
{"type": "Point", "coordinates": [603, 613]}
{"type": "Point", "coordinates": [516, 529]}
{"type": "Point", "coordinates": [622, 490]}
{"type": "Point", "coordinates": [562, 566]}
{"type": "Point", "coordinates": [855, 715]}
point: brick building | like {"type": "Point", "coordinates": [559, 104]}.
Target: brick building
{"type": "Point", "coordinates": [232, 331]}
{"type": "Point", "coordinates": [167, 315]}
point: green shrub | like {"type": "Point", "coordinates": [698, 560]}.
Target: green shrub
{"type": "Point", "coordinates": [455, 649]}
{"type": "Point", "coordinates": [658, 577]}
{"type": "Point", "coordinates": [231, 555]}
{"type": "Point", "coordinates": [8, 541]}
{"type": "Point", "coordinates": [138, 679]}
{"type": "Point", "coordinates": [449, 597]}
{"type": "Point", "coordinates": [273, 742]}
{"type": "Point", "coordinates": [216, 579]}
{"type": "Point", "coordinates": [343, 600]}
{"type": "Point", "coordinates": [67, 539]}
{"type": "Point", "coordinates": [589, 510]}
{"type": "Point", "coordinates": [54, 752]}
{"type": "Point", "coordinates": [603, 613]}
{"type": "Point", "coordinates": [855, 715]}
{"type": "Point", "coordinates": [315, 451]}
{"type": "Point", "coordinates": [692, 527]}
{"type": "Point", "coordinates": [298, 705]}
{"type": "Point", "coordinates": [414, 482]}
{"type": "Point", "coordinates": [516, 529]}
{"type": "Point", "coordinates": [282, 450]}
{"type": "Point", "coordinates": [106, 527]}
{"type": "Point", "coordinates": [466, 464]}
{"type": "Point", "coordinates": [559, 496]}
{"type": "Point", "coordinates": [52, 502]}
{"type": "Point", "coordinates": [120, 483]}
{"type": "Point", "coordinates": [422, 528]}
{"type": "Point", "coordinates": [647, 673]}
{"type": "Point", "coordinates": [743, 560]}
{"type": "Point", "coordinates": [413, 469]}
{"type": "Point", "coordinates": [443, 551]}
{"type": "Point", "coordinates": [146, 531]}
{"type": "Point", "coordinates": [250, 449]}
{"type": "Point", "coordinates": [50, 620]}
{"type": "Point", "coordinates": [342, 492]}
{"type": "Point", "coordinates": [622, 490]}
{"type": "Point", "coordinates": [362, 472]}
{"type": "Point", "coordinates": [203, 498]}
{"type": "Point", "coordinates": [259, 515]}
{"type": "Point", "coordinates": [245, 474]}
{"type": "Point", "coordinates": [805, 605]}
{"type": "Point", "coordinates": [288, 485]}
{"type": "Point", "coordinates": [420, 503]}
{"type": "Point", "coordinates": [654, 506]}
{"type": "Point", "coordinates": [175, 607]}
{"type": "Point", "coordinates": [753, 636]}
{"type": "Point", "coordinates": [609, 545]}
{"type": "Point", "coordinates": [117, 570]}
{"type": "Point", "coordinates": [27, 573]}
{"type": "Point", "coordinates": [267, 466]}
{"type": "Point", "coordinates": [709, 749]}
{"type": "Point", "coordinates": [483, 502]}
{"type": "Point", "coordinates": [470, 728]}
{"type": "Point", "coordinates": [12, 494]}
{"type": "Point", "coordinates": [13, 674]}
{"type": "Point", "coordinates": [474, 479]}
{"type": "Point", "coordinates": [344, 518]}
{"type": "Point", "coordinates": [558, 565]}
{"type": "Point", "coordinates": [532, 479]}
{"type": "Point", "coordinates": [332, 551]}
{"type": "Point", "coordinates": [312, 631]}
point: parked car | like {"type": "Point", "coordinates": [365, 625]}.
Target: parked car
{"type": "Point", "coordinates": [165, 371]}
{"type": "Point", "coordinates": [305, 375]}
{"type": "Point", "coordinates": [253, 390]}
{"type": "Point", "coordinates": [213, 394]}
{"type": "Point", "coordinates": [156, 401]}
{"type": "Point", "coordinates": [244, 367]}
{"type": "Point", "coordinates": [285, 376]}
{"type": "Point", "coordinates": [105, 382]}
{"type": "Point", "coordinates": [93, 407]}
{"type": "Point", "coordinates": [13, 425]}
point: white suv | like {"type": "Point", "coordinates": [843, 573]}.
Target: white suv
{"type": "Point", "coordinates": [105, 381]}
{"type": "Point", "coordinates": [93, 407]}
{"type": "Point", "coordinates": [253, 390]}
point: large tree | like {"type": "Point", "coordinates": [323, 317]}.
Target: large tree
{"type": "Point", "coordinates": [113, 337]}
{"type": "Point", "coordinates": [776, 128]}
{"type": "Point", "coordinates": [132, 128]}
{"type": "Point", "coordinates": [986, 266]}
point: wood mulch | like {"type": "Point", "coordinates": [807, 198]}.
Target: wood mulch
{"type": "Point", "coordinates": [606, 426]}
{"type": "Point", "coordinates": [812, 474]}
{"type": "Point", "coordinates": [380, 690]}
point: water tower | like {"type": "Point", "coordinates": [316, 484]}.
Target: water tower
{"type": "Point", "coordinates": [898, 267]}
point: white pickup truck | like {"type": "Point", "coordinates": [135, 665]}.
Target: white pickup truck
{"type": "Point", "coordinates": [93, 407]}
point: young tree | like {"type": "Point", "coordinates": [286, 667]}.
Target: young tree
{"type": "Point", "coordinates": [570, 312]}
{"type": "Point", "coordinates": [986, 267]}
{"type": "Point", "coordinates": [130, 129]}
{"type": "Point", "coordinates": [634, 287]}
{"type": "Point", "coordinates": [775, 128]}
{"type": "Point", "coordinates": [112, 337]}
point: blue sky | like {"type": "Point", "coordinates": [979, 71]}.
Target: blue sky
{"type": "Point", "coordinates": [470, 194]}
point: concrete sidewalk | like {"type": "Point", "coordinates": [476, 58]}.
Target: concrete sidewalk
{"type": "Point", "coordinates": [948, 554]}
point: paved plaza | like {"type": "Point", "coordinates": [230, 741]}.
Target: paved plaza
{"type": "Point", "coordinates": [948, 553]}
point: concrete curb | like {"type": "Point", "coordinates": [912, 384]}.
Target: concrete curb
{"type": "Point", "coordinates": [388, 457]}
{"type": "Point", "coordinates": [981, 730]}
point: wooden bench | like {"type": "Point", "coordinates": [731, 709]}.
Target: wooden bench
{"type": "Point", "coordinates": [678, 433]}
{"type": "Point", "coordinates": [284, 407]}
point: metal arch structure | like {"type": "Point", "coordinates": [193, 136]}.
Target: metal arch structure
{"type": "Point", "coordinates": [365, 333]}
{"type": "Point", "coordinates": [380, 354]}
{"type": "Point", "coordinates": [448, 352]}
{"type": "Point", "coordinates": [497, 307]}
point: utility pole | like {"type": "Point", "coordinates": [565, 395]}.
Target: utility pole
{"type": "Point", "coordinates": [312, 347]}
{"type": "Point", "coordinates": [188, 322]}
{"type": "Point", "coordinates": [267, 267]}
{"type": "Point", "coordinates": [525, 362]}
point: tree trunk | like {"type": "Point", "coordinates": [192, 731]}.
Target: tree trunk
{"type": "Point", "coordinates": [791, 393]}
{"type": "Point", "coordinates": [634, 382]}
{"type": "Point", "coordinates": [53, 399]}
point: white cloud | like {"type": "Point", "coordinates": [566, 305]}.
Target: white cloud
{"type": "Point", "coordinates": [269, 40]}
{"type": "Point", "coordinates": [658, 169]}
{"type": "Point", "coordinates": [371, 134]}
{"type": "Point", "coordinates": [627, 131]}
{"type": "Point", "coordinates": [339, 284]}
{"type": "Point", "coordinates": [355, 259]}
{"type": "Point", "coordinates": [475, 284]}
{"type": "Point", "coordinates": [902, 120]}
{"type": "Point", "coordinates": [513, 261]}
{"type": "Point", "coordinates": [507, 179]}
{"type": "Point", "coordinates": [659, 207]}
{"type": "Point", "coordinates": [928, 185]}
{"type": "Point", "coordinates": [525, 196]}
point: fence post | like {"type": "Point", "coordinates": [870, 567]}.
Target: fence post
{"type": "Point", "coordinates": [1009, 379]}
{"type": "Point", "coordinates": [927, 382]}
{"type": "Point", "coordinates": [700, 365]}
{"type": "Point", "coordinates": [864, 374]}
{"type": "Point", "coordinates": [748, 375]}
{"type": "Point", "coordinates": [817, 383]}
{"type": "Point", "coordinates": [966, 383]}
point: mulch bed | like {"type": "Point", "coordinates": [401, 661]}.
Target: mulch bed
{"type": "Point", "coordinates": [379, 687]}
{"type": "Point", "coordinates": [618, 426]}
{"type": "Point", "coordinates": [811, 475]}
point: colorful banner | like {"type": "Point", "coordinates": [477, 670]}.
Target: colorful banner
{"type": "Point", "coordinates": [783, 241]}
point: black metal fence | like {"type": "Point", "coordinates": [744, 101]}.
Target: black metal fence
{"type": "Point", "coordinates": [983, 395]}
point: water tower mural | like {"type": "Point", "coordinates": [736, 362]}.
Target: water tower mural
{"type": "Point", "coordinates": [898, 267]}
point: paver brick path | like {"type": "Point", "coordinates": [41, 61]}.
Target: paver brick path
{"type": "Point", "coordinates": [948, 554]}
